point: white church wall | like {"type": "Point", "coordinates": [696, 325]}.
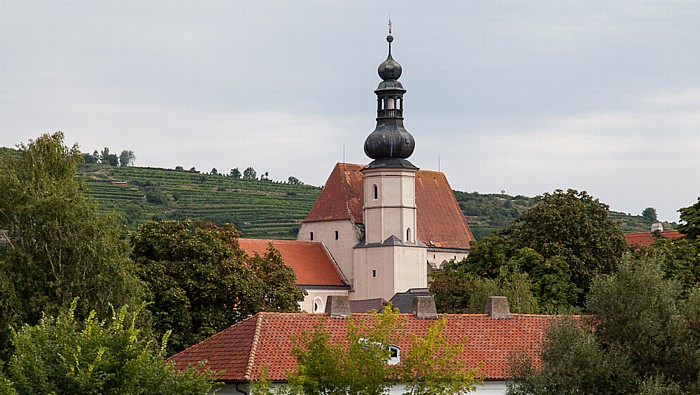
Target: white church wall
{"type": "Point", "coordinates": [315, 300]}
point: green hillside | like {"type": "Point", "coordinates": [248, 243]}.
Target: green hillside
{"type": "Point", "coordinates": [261, 208]}
{"type": "Point", "coordinates": [267, 209]}
{"type": "Point", "coordinates": [257, 208]}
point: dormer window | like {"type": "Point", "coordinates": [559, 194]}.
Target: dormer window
{"type": "Point", "coordinates": [394, 356]}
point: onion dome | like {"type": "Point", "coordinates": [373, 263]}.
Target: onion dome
{"type": "Point", "coordinates": [390, 143]}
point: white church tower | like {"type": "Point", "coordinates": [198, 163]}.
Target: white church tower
{"type": "Point", "coordinates": [390, 259]}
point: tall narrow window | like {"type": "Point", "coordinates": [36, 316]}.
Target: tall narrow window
{"type": "Point", "coordinates": [311, 236]}
{"type": "Point", "coordinates": [374, 273]}
{"type": "Point", "coordinates": [408, 235]}
{"type": "Point", "coordinates": [337, 235]}
{"type": "Point", "coordinates": [376, 191]}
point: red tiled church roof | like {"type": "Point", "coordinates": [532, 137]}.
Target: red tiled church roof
{"type": "Point", "coordinates": [264, 342]}
{"type": "Point", "coordinates": [310, 261]}
{"type": "Point", "coordinates": [646, 238]}
{"type": "Point", "coordinates": [440, 220]}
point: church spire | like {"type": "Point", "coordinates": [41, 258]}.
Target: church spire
{"type": "Point", "coordinates": [390, 143]}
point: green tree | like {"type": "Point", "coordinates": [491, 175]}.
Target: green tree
{"type": "Point", "coordinates": [214, 172]}
{"type": "Point", "coordinates": [359, 365]}
{"type": "Point", "coordinates": [649, 214]}
{"type": "Point", "coordinates": [126, 158]}
{"type": "Point", "coordinates": [58, 246]}
{"type": "Point", "coordinates": [294, 181]}
{"type": "Point", "coordinates": [250, 174]}
{"type": "Point", "coordinates": [559, 245]}
{"type": "Point", "coordinates": [69, 356]}
{"type": "Point", "coordinates": [690, 220]}
{"type": "Point", "coordinates": [200, 281]}
{"type": "Point", "coordinates": [640, 338]}
{"type": "Point", "coordinates": [235, 173]}
{"type": "Point", "coordinates": [108, 159]}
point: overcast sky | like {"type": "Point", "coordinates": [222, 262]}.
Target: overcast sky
{"type": "Point", "coordinates": [521, 96]}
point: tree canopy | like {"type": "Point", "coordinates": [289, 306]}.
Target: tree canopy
{"type": "Point", "coordinates": [556, 247]}
{"type": "Point", "coordinates": [642, 337]}
{"type": "Point", "coordinates": [58, 247]}
{"type": "Point", "coordinates": [200, 281]}
{"type": "Point", "coordinates": [69, 356]}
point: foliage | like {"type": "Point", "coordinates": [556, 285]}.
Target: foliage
{"type": "Point", "coordinates": [126, 158]}
{"type": "Point", "coordinates": [108, 159]}
{"type": "Point", "coordinates": [640, 339]}
{"type": "Point", "coordinates": [690, 220]}
{"type": "Point", "coordinates": [249, 174]}
{"type": "Point", "coordinates": [359, 365]}
{"type": "Point", "coordinates": [65, 355]}
{"type": "Point", "coordinates": [557, 246]}
{"type": "Point", "coordinates": [58, 247]}
{"type": "Point", "coordinates": [235, 173]}
{"type": "Point", "coordinates": [200, 281]}
{"type": "Point", "coordinates": [294, 181]}
{"type": "Point", "coordinates": [649, 214]}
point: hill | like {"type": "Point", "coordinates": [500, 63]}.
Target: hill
{"type": "Point", "coordinates": [261, 208]}
{"type": "Point", "coordinates": [266, 209]}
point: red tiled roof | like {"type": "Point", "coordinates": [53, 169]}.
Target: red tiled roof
{"type": "Point", "coordinates": [310, 261]}
{"type": "Point", "coordinates": [440, 220]}
{"type": "Point", "coordinates": [646, 238]}
{"type": "Point", "coordinates": [491, 341]}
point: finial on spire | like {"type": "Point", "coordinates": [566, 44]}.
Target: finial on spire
{"type": "Point", "coordinates": [389, 23]}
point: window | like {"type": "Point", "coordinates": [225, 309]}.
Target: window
{"type": "Point", "coordinates": [408, 235]}
{"type": "Point", "coordinates": [374, 273]}
{"type": "Point", "coordinates": [394, 355]}
{"type": "Point", "coordinates": [318, 305]}
{"type": "Point", "coordinates": [311, 236]}
{"type": "Point", "coordinates": [337, 235]}
{"type": "Point", "coordinates": [376, 191]}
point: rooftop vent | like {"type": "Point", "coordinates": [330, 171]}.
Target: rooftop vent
{"type": "Point", "coordinates": [497, 307]}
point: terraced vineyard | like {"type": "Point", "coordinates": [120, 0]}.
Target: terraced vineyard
{"type": "Point", "coordinates": [265, 209]}
{"type": "Point", "coordinates": [257, 208]}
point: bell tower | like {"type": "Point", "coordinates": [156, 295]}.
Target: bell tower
{"type": "Point", "coordinates": [390, 259]}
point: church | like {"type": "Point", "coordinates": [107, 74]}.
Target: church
{"type": "Point", "coordinates": [379, 229]}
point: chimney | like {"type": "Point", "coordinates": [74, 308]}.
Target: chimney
{"type": "Point", "coordinates": [497, 307]}
{"type": "Point", "coordinates": [657, 227]}
{"type": "Point", "coordinates": [338, 306]}
{"type": "Point", "coordinates": [424, 307]}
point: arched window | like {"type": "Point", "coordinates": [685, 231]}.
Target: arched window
{"type": "Point", "coordinates": [376, 191]}
{"type": "Point", "coordinates": [318, 305]}
{"type": "Point", "coordinates": [408, 235]}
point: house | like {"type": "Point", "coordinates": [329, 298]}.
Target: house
{"type": "Point", "coordinates": [262, 344]}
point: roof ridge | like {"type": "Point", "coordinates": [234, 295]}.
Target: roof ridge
{"type": "Point", "coordinates": [253, 348]}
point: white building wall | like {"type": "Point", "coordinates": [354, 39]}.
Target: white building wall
{"type": "Point", "coordinates": [315, 300]}
{"type": "Point", "coordinates": [488, 388]}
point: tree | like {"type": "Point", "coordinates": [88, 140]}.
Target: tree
{"type": "Point", "coordinates": [88, 158]}
{"type": "Point", "coordinates": [249, 174]}
{"type": "Point", "coordinates": [649, 214]}
{"type": "Point", "coordinates": [214, 172]}
{"type": "Point", "coordinates": [235, 173]}
{"type": "Point", "coordinates": [200, 281]}
{"type": "Point", "coordinates": [69, 356]}
{"type": "Point", "coordinates": [359, 365]}
{"type": "Point", "coordinates": [126, 158]}
{"type": "Point", "coordinates": [640, 338]}
{"type": "Point", "coordinates": [690, 220]}
{"type": "Point", "coordinates": [59, 246]}
{"type": "Point", "coordinates": [108, 159]}
{"type": "Point", "coordinates": [294, 181]}
{"type": "Point", "coordinates": [559, 244]}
